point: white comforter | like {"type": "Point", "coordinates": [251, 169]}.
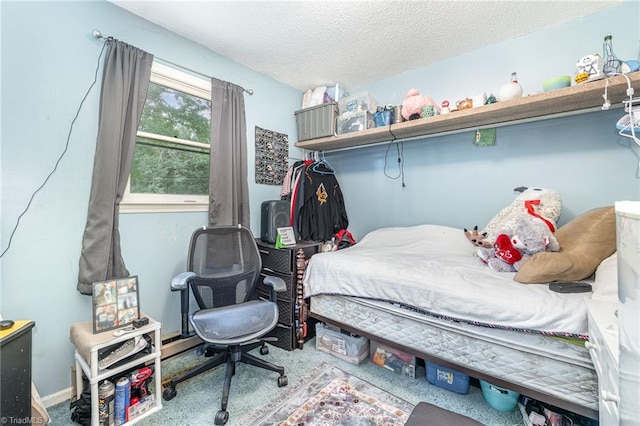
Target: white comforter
{"type": "Point", "coordinates": [434, 268]}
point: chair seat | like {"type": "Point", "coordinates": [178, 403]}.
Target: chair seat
{"type": "Point", "coordinates": [235, 324]}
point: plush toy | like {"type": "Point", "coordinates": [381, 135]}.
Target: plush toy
{"type": "Point", "coordinates": [476, 238]}
{"type": "Point", "coordinates": [539, 202]}
{"type": "Point", "coordinates": [513, 247]}
{"type": "Point", "coordinates": [428, 100]}
{"type": "Point", "coordinates": [412, 105]}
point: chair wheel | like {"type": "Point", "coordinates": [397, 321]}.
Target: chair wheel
{"type": "Point", "coordinates": [222, 417]}
{"type": "Point", "coordinates": [169, 393]}
{"type": "Point", "coordinates": [264, 350]}
{"type": "Point", "coordinates": [282, 381]}
{"type": "Point", "coordinates": [200, 350]}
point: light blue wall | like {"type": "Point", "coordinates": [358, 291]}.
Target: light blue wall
{"type": "Point", "coordinates": [48, 63]}
{"type": "Point", "coordinates": [449, 181]}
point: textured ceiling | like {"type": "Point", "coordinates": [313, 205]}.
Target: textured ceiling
{"type": "Point", "coordinates": [306, 44]}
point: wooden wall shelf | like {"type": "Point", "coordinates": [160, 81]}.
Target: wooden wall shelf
{"type": "Point", "coordinates": [576, 99]}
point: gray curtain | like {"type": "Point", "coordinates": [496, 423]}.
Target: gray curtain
{"type": "Point", "coordinates": [228, 186]}
{"type": "Point", "coordinates": [125, 81]}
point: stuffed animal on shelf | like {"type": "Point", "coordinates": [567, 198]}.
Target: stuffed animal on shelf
{"type": "Point", "coordinates": [428, 100]}
{"type": "Point", "coordinates": [412, 105]}
{"type": "Point", "coordinates": [512, 248]}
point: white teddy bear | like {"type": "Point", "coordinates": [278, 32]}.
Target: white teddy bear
{"type": "Point", "coordinates": [540, 202]}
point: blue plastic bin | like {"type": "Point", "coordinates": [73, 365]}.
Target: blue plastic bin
{"type": "Point", "coordinates": [447, 378]}
{"type": "Point", "coordinates": [499, 398]}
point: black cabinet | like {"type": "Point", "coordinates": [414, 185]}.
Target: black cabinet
{"type": "Point", "coordinates": [288, 263]}
{"type": "Point", "coordinates": [15, 384]}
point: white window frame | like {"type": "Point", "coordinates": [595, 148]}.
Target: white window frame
{"type": "Point", "coordinates": [164, 203]}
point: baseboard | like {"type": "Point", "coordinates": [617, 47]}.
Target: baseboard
{"type": "Point", "coordinates": [174, 347]}
{"type": "Point", "coordinates": [56, 398]}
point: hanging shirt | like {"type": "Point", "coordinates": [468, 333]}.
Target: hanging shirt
{"type": "Point", "coordinates": [296, 196]}
{"type": "Point", "coordinates": [323, 212]}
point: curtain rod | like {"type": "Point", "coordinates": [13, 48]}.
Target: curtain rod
{"type": "Point", "coordinates": [98, 34]}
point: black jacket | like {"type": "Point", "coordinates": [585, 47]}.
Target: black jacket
{"type": "Point", "coordinates": [323, 212]}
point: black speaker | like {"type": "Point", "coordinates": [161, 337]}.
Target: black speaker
{"type": "Point", "coordinates": [274, 214]}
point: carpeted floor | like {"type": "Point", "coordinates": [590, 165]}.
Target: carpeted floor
{"type": "Point", "coordinates": [252, 389]}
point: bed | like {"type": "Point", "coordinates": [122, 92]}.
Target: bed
{"type": "Point", "coordinates": [422, 290]}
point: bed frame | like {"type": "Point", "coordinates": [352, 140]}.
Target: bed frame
{"type": "Point", "coordinates": [532, 382]}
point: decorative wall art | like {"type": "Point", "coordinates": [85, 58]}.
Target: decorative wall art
{"type": "Point", "coordinates": [272, 154]}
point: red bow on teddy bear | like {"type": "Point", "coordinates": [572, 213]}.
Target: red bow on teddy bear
{"type": "Point", "coordinates": [529, 204]}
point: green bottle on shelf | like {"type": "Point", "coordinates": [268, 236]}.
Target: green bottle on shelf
{"type": "Point", "coordinates": [611, 63]}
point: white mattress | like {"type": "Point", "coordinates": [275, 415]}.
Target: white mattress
{"type": "Point", "coordinates": [546, 364]}
{"type": "Point", "coordinates": [433, 268]}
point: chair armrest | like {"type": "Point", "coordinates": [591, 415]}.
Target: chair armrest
{"type": "Point", "coordinates": [181, 281]}
{"type": "Point", "coordinates": [276, 283]}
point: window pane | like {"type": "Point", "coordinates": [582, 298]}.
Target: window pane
{"type": "Point", "coordinates": [172, 113]}
{"type": "Point", "coordinates": [169, 168]}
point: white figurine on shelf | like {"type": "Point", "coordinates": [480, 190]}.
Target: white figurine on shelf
{"type": "Point", "coordinates": [590, 65]}
{"type": "Point", "coordinates": [511, 90]}
{"type": "Point", "coordinates": [445, 107]}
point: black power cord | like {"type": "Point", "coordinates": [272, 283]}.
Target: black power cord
{"type": "Point", "coordinates": [66, 147]}
{"type": "Point", "coordinates": [399, 151]}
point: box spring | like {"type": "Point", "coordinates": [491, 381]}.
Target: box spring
{"type": "Point", "coordinates": [546, 368]}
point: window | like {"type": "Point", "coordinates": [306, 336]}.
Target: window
{"type": "Point", "coordinates": [170, 169]}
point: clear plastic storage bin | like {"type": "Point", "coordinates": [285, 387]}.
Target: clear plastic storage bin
{"type": "Point", "coordinates": [393, 359]}
{"type": "Point", "coordinates": [357, 103]}
{"type": "Point", "coordinates": [330, 339]}
{"type": "Point", "coordinates": [355, 122]}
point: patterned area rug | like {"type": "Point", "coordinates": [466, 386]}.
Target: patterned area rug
{"type": "Point", "coordinates": [330, 396]}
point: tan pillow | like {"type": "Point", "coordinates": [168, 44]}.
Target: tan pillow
{"type": "Point", "coordinates": [584, 242]}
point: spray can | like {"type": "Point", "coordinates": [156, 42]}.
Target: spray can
{"type": "Point", "coordinates": [106, 393]}
{"type": "Point", "coordinates": [123, 396]}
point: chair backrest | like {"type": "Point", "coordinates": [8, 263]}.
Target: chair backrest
{"type": "Point", "coordinates": [227, 263]}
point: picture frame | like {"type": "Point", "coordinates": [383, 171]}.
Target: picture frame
{"type": "Point", "coordinates": [116, 303]}
{"type": "Point", "coordinates": [287, 236]}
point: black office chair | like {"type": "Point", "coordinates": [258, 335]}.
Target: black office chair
{"type": "Point", "coordinates": [223, 269]}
